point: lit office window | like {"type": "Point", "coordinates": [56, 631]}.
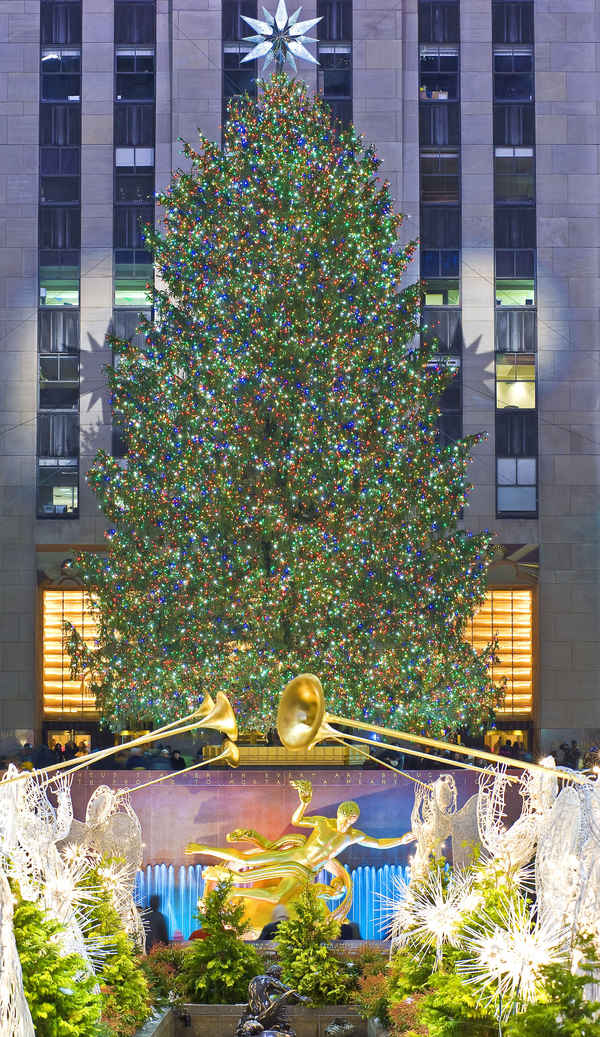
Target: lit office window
{"type": "Point", "coordinates": [61, 694]}
{"type": "Point", "coordinates": [508, 616]}
{"type": "Point", "coordinates": [515, 381]}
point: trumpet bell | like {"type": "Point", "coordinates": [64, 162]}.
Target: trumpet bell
{"type": "Point", "coordinates": [301, 712]}
{"type": "Point", "coordinates": [231, 753]}
{"type": "Point", "coordinates": [221, 717]}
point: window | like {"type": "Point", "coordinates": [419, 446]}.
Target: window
{"type": "Point", "coordinates": [516, 433]}
{"type": "Point", "coordinates": [450, 417]}
{"type": "Point", "coordinates": [134, 125]}
{"type": "Point", "coordinates": [131, 292]}
{"type": "Point", "coordinates": [59, 190]}
{"type": "Point", "coordinates": [514, 125]}
{"type": "Point", "coordinates": [515, 331]}
{"type": "Point", "coordinates": [514, 228]}
{"type": "Point", "coordinates": [440, 238]}
{"type": "Point", "coordinates": [440, 227]}
{"type": "Point", "coordinates": [129, 224]}
{"type": "Point", "coordinates": [135, 75]}
{"type": "Point", "coordinates": [233, 28]}
{"type": "Point", "coordinates": [60, 125]}
{"type": "Point", "coordinates": [507, 616]}
{"type": "Point", "coordinates": [59, 382]}
{"type": "Point", "coordinates": [58, 435]}
{"type": "Point", "coordinates": [126, 323]}
{"type": "Point", "coordinates": [58, 290]}
{"type": "Point", "coordinates": [512, 22]}
{"type": "Point", "coordinates": [438, 22]}
{"type": "Point", "coordinates": [439, 176]}
{"type": "Point", "coordinates": [515, 381]}
{"type": "Point", "coordinates": [134, 187]}
{"type": "Point", "coordinates": [515, 263]}
{"type": "Point", "coordinates": [59, 228]}
{"type": "Point", "coordinates": [516, 485]}
{"type": "Point", "coordinates": [514, 175]}
{"type": "Point", "coordinates": [442, 292]}
{"type": "Point", "coordinates": [59, 161]}
{"type": "Point", "coordinates": [443, 327]}
{"type": "Point", "coordinates": [439, 263]}
{"type": "Point", "coordinates": [60, 21]}
{"type": "Point", "coordinates": [58, 331]}
{"type": "Point", "coordinates": [61, 79]}
{"type": "Point", "coordinates": [58, 488]}
{"type": "Point", "coordinates": [134, 21]}
{"type": "Point", "coordinates": [61, 693]}
{"type": "Point", "coordinates": [513, 74]}
{"type": "Point", "coordinates": [438, 125]}
{"type": "Point", "coordinates": [337, 19]}
{"type": "Point", "coordinates": [515, 291]}
{"type": "Point", "coordinates": [438, 73]}
{"type": "Point", "coordinates": [238, 79]}
{"type": "Point", "coordinates": [334, 79]}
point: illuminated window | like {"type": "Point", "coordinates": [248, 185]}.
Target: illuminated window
{"type": "Point", "coordinates": [508, 616]}
{"type": "Point", "coordinates": [61, 694]}
{"type": "Point", "coordinates": [515, 381]}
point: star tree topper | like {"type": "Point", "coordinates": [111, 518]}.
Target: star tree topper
{"type": "Point", "coordinates": [280, 38]}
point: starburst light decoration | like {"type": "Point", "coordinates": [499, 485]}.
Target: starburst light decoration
{"type": "Point", "coordinates": [428, 916]}
{"type": "Point", "coordinates": [508, 953]}
{"type": "Point", "coordinates": [280, 37]}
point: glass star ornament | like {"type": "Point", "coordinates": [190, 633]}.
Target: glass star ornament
{"type": "Point", "coordinates": [280, 37]}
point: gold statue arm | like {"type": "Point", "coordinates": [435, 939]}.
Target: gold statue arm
{"type": "Point", "coordinates": [386, 844]}
{"type": "Point", "coordinates": [304, 789]}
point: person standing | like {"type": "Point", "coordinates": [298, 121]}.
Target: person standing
{"type": "Point", "coordinates": [156, 925]}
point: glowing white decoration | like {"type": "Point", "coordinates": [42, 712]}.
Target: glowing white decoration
{"type": "Point", "coordinates": [514, 846]}
{"type": "Point", "coordinates": [280, 37]}
{"type": "Point", "coordinates": [112, 830]}
{"type": "Point", "coordinates": [430, 915]}
{"type": "Point", "coordinates": [508, 952]}
{"type": "Point", "coordinates": [15, 1017]}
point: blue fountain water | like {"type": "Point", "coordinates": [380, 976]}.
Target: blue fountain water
{"type": "Point", "coordinates": [179, 891]}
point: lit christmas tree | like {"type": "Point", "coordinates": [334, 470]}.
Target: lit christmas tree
{"type": "Point", "coordinates": [286, 505]}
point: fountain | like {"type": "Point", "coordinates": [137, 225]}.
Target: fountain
{"type": "Point", "coordinates": [180, 888]}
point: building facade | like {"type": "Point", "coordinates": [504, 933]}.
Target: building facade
{"type": "Point", "coordinates": [485, 115]}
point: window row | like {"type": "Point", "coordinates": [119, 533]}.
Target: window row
{"type": "Point", "coordinates": [60, 21]}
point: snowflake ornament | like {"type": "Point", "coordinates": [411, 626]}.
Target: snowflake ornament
{"type": "Point", "coordinates": [280, 37]}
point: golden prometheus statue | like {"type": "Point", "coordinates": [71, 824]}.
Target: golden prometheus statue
{"type": "Point", "coordinates": [279, 870]}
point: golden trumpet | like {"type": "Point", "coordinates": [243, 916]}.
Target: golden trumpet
{"type": "Point", "coordinates": [302, 723]}
{"type": "Point", "coordinates": [216, 715]}
{"type": "Point", "coordinates": [230, 753]}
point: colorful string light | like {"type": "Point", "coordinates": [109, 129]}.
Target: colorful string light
{"type": "Point", "coordinates": [286, 504]}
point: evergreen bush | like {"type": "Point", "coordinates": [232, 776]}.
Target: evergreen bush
{"type": "Point", "coordinates": [217, 970]}
{"type": "Point", "coordinates": [126, 1002]}
{"type": "Point", "coordinates": [305, 955]}
{"type": "Point", "coordinates": [59, 990]}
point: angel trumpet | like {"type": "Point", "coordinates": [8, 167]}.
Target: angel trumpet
{"type": "Point", "coordinates": [229, 752]}
{"type": "Point", "coordinates": [302, 722]}
{"type": "Point", "coordinates": [216, 715]}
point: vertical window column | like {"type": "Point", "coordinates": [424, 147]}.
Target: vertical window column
{"type": "Point", "coordinates": [515, 259]}
{"type": "Point", "coordinates": [134, 145]}
{"type": "Point", "coordinates": [238, 78]}
{"type": "Point", "coordinates": [334, 53]}
{"type": "Point", "coordinates": [59, 244]}
{"type": "Point", "coordinates": [439, 149]}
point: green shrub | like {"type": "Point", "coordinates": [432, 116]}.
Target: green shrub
{"type": "Point", "coordinates": [162, 968]}
{"type": "Point", "coordinates": [59, 992]}
{"type": "Point", "coordinates": [217, 970]}
{"type": "Point", "coordinates": [305, 956]}
{"type": "Point", "coordinates": [450, 1008]}
{"type": "Point", "coordinates": [126, 1002]}
{"type": "Point", "coordinates": [564, 1012]}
